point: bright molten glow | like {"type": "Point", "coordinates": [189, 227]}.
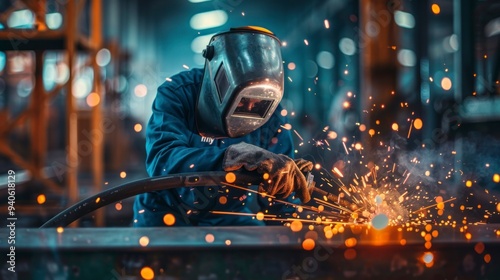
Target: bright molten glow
{"type": "Point", "coordinates": [380, 221]}
{"type": "Point", "coordinates": [428, 257]}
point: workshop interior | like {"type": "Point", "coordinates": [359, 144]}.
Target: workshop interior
{"type": "Point", "coordinates": [395, 102]}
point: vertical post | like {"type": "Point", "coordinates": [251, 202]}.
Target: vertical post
{"type": "Point", "coordinates": [40, 11]}
{"type": "Point", "coordinates": [71, 113]}
{"type": "Point", "coordinates": [378, 65]}
{"type": "Point", "coordinates": [463, 24]}
{"type": "Point", "coordinates": [38, 119]}
{"type": "Point", "coordinates": [97, 131]}
{"type": "Point", "coordinates": [463, 19]}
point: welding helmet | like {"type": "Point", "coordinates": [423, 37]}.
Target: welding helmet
{"type": "Point", "coordinates": [242, 82]}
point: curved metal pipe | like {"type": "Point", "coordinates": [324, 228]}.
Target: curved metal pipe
{"type": "Point", "coordinates": [133, 188]}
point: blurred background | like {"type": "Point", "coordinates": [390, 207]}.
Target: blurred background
{"type": "Point", "coordinates": [77, 80]}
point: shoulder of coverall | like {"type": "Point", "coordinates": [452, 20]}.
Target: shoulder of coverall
{"type": "Point", "coordinates": [183, 79]}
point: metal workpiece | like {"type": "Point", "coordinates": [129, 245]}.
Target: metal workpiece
{"type": "Point", "coordinates": [133, 188]}
{"type": "Point", "coordinates": [245, 237]}
{"type": "Point", "coordinates": [270, 252]}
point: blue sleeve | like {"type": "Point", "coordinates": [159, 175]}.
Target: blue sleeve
{"type": "Point", "coordinates": [168, 134]}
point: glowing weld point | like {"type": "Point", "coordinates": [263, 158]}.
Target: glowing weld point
{"type": "Point", "coordinates": [380, 221]}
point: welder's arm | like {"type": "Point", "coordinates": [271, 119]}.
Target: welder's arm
{"type": "Point", "coordinates": [168, 138]}
{"type": "Point", "coordinates": [285, 176]}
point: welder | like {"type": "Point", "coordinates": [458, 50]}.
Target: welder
{"type": "Point", "coordinates": [224, 117]}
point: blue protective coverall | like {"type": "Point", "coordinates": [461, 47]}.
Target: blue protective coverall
{"type": "Point", "coordinates": [173, 145]}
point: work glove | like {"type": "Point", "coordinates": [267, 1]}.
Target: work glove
{"type": "Point", "coordinates": [304, 165]}
{"type": "Point", "coordinates": [285, 174]}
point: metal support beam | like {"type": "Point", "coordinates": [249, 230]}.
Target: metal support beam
{"type": "Point", "coordinates": [378, 65]}
{"type": "Point", "coordinates": [96, 120]}
{"type": "Point", "coordinates": [38, 120]}
{"type": "Point", "coordinates": [463, 11]}
{"type": "Point", "coordinates": [71, 114]}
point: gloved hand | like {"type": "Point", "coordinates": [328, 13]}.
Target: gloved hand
{"type": "Point", "coordinates": [285, 174]}
{"type": "Point", "coordinates": [304, 165]}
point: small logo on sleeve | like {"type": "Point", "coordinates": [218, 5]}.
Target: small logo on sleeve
{"type": "Point", "coordinates": [208, 140]}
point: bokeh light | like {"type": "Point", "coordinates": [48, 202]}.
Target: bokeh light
{"type": "Point", "coordinates": [169, 219]}
{"type": "Point", "coordinates": [103, 57]}
{"type": "Point", "coordinates": [41, 199]}
{"type": "Point", "coordinates": [230, 177]}
{"type": "Point", "coordinates": [138, 127]}
{"type": "Point", "coordinates": [436, 9]}
{"type": "Point", "coordinates": [308, 244]}
{"type": "Point", "coordinates": [496, 178]}
{"type": "Point", "coordinates": [93, 99]}
{"type": "Point", "coordinates": [418, 123]}
{"type": "Point", "coordinates": [147, 273]}
{"type": "Point", "coordinates": [209, 238]}
{"type": "Point", "coordinates": [140, 90]}
{"type": "Point", "coordinates": [446, 83]}
{"type": "Point", "coordinates": [144, 241]}
{"type": "Point", "coordinates": [296, 225]}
